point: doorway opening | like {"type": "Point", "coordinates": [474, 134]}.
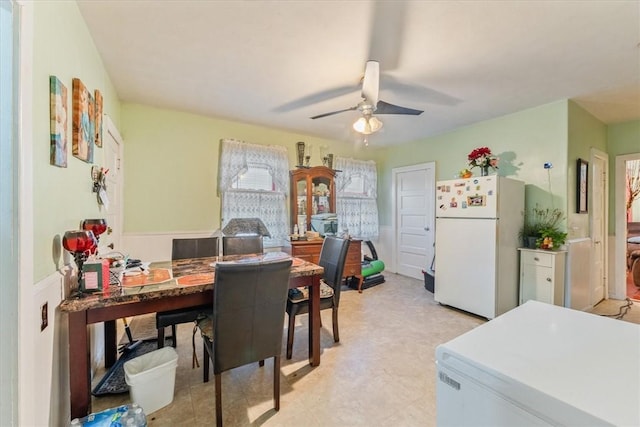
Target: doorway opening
{"type": "Point", "coordinates": [632, 235]}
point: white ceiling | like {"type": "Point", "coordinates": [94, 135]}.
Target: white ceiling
{"type": "Point", "coordinates": [277, 63]}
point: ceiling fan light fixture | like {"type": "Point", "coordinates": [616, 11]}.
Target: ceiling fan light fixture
{"type": "Point", "coordinates": [367, 125]}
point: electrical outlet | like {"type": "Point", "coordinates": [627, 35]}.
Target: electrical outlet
{"type": "Point", "coordinates": [44, 316]}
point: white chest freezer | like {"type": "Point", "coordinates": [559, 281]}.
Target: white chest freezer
{"type": "Point", "coordinates": [541, 364]}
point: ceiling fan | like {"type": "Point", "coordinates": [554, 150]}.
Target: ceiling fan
{"type": "Point", "coordinates": [370, 103]}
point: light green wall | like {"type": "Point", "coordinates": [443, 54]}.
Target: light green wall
{"type": "Point", "coordinates": [623, 138]}
{"type": "Point", "coordinates": [171, 165]}
{"type": "Point", "coordinates": [62, 197]}
{"type": "Point", "coordinates": [585, 132]}
{"type": "Point", "coordinates": [524, 141]}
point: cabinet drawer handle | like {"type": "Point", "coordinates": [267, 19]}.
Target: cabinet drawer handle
{"type": "Point", "coordinates": [536, 258]}
{"type": "Point", "coordinates": [548, 279]}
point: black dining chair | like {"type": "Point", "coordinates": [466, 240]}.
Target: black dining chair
{"type": "Point", "coordinates": [241, 245]}
{"type": "Point", "coordinates": [333, 256]}
{"type": "Point", "coordinates": [247, 322]}
{"type": "Point", "coordinates": [182, 249]}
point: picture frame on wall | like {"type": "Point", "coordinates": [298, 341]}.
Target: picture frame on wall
{"type": "Point", "coordinates": [58, 113]}
{"type": "Point", "coordinates": [98, 118]}
{"type": "Point", "coordinates": [582, 193]}
{"type": "Point", "coordinates": [83, 122]}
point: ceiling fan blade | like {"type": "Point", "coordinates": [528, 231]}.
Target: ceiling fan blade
{"type": "Point", "coordinates": [387, 32]}
{"type": "Point", "coordinates": [416, 92]}
{"type": "Point", "coordinates": [319, 116]}
{"type": "Point", "coordinates": [371, 82]}
{"type": "Point", "coordinates": [315, 98]}
{"type": "Point", "coordinates": [386, 108]}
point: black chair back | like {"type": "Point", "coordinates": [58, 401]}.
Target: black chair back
{"type": "Point", "coordinates": [248, 312]}
{"type": "Point", "coordinates": [194, 248]}
{"type": "Point", "coordinates": [199, 247]}
{"type": "Point", "coordinates": [333, 257]}
{"type": "Point", "coordinates": [241, 245]}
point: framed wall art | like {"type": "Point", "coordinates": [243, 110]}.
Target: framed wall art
{"type": "Point", "coordinates": [83, 122]}
{"type": "Point", "coordinates": [98, 118]}
{"type": "Point", "coordinates": [58, 108]}
{"type": "Point", "coordinates": [582, 194]}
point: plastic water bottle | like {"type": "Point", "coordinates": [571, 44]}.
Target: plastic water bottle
{"type": "Point", "coordinates": [139, 416]}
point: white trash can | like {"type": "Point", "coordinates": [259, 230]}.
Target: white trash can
{"type": "Point", "coordinates": [151, 378]}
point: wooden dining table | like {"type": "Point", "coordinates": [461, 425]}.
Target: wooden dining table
{"type": "Point", "coordinates": [163, 286]}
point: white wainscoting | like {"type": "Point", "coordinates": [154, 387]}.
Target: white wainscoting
{"type": "Point", "coordinates": [156, 246]}
{"type": "Point", "coordinates": [617, 284]}
{"type": "Point", "coordinates": [150, 247]}
{"type": "Point", "coordinates": [578, 276]}
{"type": "Point", "coordinates": [45, 361]}
{"type": "Point", "coordinates": [384, 247]}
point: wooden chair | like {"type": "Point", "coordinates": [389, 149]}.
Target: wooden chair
{"type": "Point", "coordinates": [333, 256]}
{"type": "Point", "coordinates": [246, 325]}
{"type": "Point", "coordinates": [241, 245]}
{"type": "Point", "coordinates": [182, 249]}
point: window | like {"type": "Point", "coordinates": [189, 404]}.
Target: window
{"type": "Point", "coordinates": [356, 192]}
{"type": "Point", "coordinates": [256, 177]}
{"type": "Point", "coordinates": [254, 183]}
{"type": "Point", "coordinates": [354, 187]}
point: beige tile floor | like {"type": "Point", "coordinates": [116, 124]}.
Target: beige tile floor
{"type": "Point", "coordinates": [382, 373]}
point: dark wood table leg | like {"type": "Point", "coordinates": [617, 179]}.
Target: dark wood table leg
{"type": "Point", "coordinates": [79, 354]}
{"type": "Point", "coordinates": [314, 322]}
{"type": "Point", "coordinates": [110, 343]}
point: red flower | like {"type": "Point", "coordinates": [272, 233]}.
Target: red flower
{"type": "Point", "coordinates": [479, 152]}
{"type": "Point", "coordinates": [482, 157]}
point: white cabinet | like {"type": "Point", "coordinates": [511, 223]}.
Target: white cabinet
{"type": "Point", "coordinates": [542, 276]}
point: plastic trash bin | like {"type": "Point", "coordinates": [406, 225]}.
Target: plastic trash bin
{"type": "Point", "coordinates": [429, 280]}
{"type": "Point", "coordinates": [151, 378]}
{"type": "Point", "coordinates": [430, 276]}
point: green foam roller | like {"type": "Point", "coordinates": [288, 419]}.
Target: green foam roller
{"type": "Point", "coordinates": [373, 267]}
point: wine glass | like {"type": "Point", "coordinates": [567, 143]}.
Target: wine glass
{"type": "Point", "coordinates": [81, 243]}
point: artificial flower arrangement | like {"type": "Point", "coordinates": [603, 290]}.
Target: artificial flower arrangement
{"type": "Point", "coordinates": [483, 158]}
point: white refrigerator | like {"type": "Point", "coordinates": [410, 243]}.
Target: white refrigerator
{"type": "Point", "coordinates": [477, 224]}
{"type": "Point", "coordinates": [541, 365]}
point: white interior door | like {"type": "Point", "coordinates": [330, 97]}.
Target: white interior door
{"type": "Point", "coordinates": [599, 208]}
{"type": "Point", "coordinates": [112, 144]}
{"type": "Point", "coordinates": [414, 212]}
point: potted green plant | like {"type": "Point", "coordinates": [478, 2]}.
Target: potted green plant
{"type": "Point", "coordinates": [540, 223]}
{"type": "Point", "coordinates": [551, 238]}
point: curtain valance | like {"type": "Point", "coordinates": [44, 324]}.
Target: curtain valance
{"type": "Point", "coordinates": [357, 169]}
{"type": "Point", "coordinates": [236, 156]}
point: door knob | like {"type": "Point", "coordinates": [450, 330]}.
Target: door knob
{"type": "Point", "coordinates": [110, 245]}
{"type": "Point", "coordinates": [548, 279]}
{"type": "Point", "coordinates": [427, 229]}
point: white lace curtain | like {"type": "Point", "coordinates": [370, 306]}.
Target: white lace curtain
{"type": "Point", "coordinates": [236, 156]}
{"type": "Point", "coordinates": [357, 208]}
{"type": "Point", "coordinates": [269, 206]}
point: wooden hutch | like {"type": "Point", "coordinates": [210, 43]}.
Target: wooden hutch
{"type": "Point", "coordinates": [313, 192]}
